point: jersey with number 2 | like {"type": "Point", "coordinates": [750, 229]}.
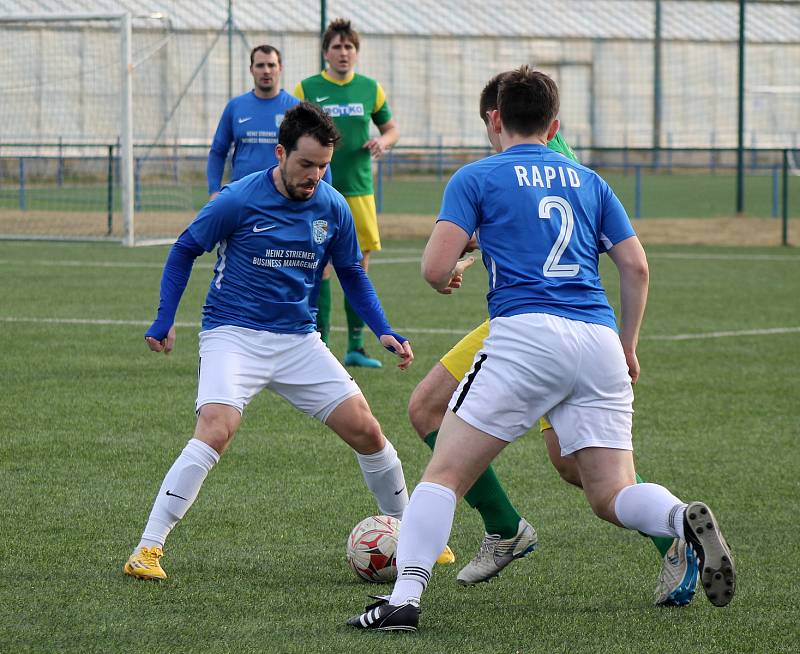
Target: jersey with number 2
{"type": "Point", "coordinates": [542, 221]}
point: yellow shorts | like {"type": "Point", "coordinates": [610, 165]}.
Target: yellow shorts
{"type": "Point", "coordinates": [458, 360]}
{"type": "Point", "coordinates": [365, 216]}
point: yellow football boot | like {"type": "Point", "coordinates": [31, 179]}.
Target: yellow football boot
{"type": "Point", "coordinates": [447, 557]}
{"type": "Point", "coordinates": [144, 564]}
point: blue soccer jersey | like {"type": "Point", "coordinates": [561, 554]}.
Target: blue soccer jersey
{"type": "Point", "coordinates": [271, 252]}
{"type": "Point", "coordinates": [251, 124]}
{"type": "Point", "coordinates": [542, 220]}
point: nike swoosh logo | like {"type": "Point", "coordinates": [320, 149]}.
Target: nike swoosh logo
{"type": "Point", "coordinates": [185, 500]}
{"type": "Point", "coordinates": [258, 229]}
{"type": "Point", "coordinates": [323, 98]}
{"type": "Point", "coordinates": [396, 492]}
{"type": "Point", "coordinates": [244, 120]}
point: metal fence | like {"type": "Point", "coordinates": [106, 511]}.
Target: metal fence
{"type": "Point", "coordinates": [73, 191]}
{"type": "Point", "coordinates": [669, 74]}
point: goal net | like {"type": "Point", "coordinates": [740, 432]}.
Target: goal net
{"type": "Point", "coordinates": [78, 160]}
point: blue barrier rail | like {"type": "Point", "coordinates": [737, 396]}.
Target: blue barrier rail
{"type": "Point", "coordinates": [436, 160]}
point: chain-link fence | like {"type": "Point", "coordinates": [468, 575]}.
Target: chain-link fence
{"type": "Point", "coordinates": [632, 74]}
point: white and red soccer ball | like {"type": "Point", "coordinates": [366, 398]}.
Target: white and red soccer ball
{"type": "Point", "coordinates": [372, 548]}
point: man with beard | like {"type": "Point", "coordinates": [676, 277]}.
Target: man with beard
{"type": "Point", "coordinates": [275, 231]}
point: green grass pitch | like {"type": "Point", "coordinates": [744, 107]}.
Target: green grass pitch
{"type": "Point", "coordinates": [679, 195]}
{"type": "Point", "coordinates": [663, 195]}
{"type": "Point", "coordinates": [90, 421]}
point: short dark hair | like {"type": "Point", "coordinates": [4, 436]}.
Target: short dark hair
{"type": "Point", "coordinates": [527, 100]}
{"type": "Point", "coordinates": [340, 27]}
{"type": "Point", "coordinates": [266, 49]}
{"type": "Point", "coordinates": [488, 101]}
{"type": "Point", "coordinates": [306, 119]}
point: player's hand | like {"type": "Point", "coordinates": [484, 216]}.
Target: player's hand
{"type": "Point", "coordinates": [402, 350]}
{"type": "Point", "coordinates": [376, 147]}
{"type": "Point", "coordinates": [165, 345]}
{"type": "Point", "coordinates": [213, 195]}
{"type": "Point", "coordinates": [457, 277]}
{"type": "Point", "coordinates": [633, 365]}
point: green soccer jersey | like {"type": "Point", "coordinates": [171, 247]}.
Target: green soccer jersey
{"type": "Point", "coordinates": [351, 103]}
{"type": "Point", "coordinates": [558, 144]}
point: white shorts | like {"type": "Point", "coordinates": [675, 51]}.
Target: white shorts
{"type": "Point", "coordinates": [536, 364]}
{"type": "Point", "coordinates": [236, 363]}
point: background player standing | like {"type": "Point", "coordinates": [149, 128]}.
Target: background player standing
{"type": "Point", "coordinates": [353, 101]}
{"type": "Point", "coordinates": [251, 121]}
{"type": "Point", "coordinates": [274, 229]}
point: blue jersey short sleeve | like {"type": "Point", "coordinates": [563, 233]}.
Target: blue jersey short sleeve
{"type": "Point", "coordinates": [461, 200]}
{"type": "Point", "coordinates": [615, 226]}
{"type": "Point", "coordinates": [542, 221]}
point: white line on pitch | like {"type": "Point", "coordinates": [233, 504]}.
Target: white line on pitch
{"type": "Point", "coordinates": [662, 255]}
{"type": "Point", "coordinates": [83, 264]}
{"type": "Point", "coordinates": [194, 325]}
{"type": "Point", "coordinates": [378, 260]}
{"type": "Point", "coordinates": [724, 257]}
{"type": "Point", "coordinates": [409, 330]}
{"type": "Point", "coordinates": [741, 332]}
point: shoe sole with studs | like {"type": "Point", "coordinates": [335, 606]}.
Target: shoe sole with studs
{"type": "Point", "coordinates": [717, 569]}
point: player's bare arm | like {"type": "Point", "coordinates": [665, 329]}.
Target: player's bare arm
{"type": "Point", "coordinates": [634, 276]}
{"type": "Point", "coordinates": [390, 134]}
{"type": "Point", "coordinates": [441, 264]}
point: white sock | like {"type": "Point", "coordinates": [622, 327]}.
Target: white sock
{"type": "Point", "coordinates": [383, 473]}
{"type": "Point", "coordinates": [651, 509]}
{"type": "Point", "coordinates": [423, 535]}
{"type": "Point", "coordinates": [178, 491]}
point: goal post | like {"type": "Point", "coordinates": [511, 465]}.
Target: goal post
{"type": "Point", "coordinates": [126, 129]}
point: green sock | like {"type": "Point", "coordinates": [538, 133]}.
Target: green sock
{"type": "Point", "coordinates": [489, 498]}
{"type": "Point", "coordinates": [324, 310]}
{"type": "Point", "coordinates": [662, 543]}
{"type": "Point", "coordinates": [355, 328]}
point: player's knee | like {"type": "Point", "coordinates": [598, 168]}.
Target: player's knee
{"type": "Point", "coordinates": [426, 410]}
{"type": "Point", "coordinates": [216, 425]}
{"type": "Point", "coordinates": [418, 413]}
{"type": "Point", "coordinates": [446, 474]}
{"type": "Point", "coordinates": [568, 471]}
{"type": "Point", "coordinates": [216, 441]}
{"type": "Point", "coordinates": [366, 435]}
{"type": "Point", "coordinates": [566, 467]}
{"type": "Point", "coordinates": [603, 506]}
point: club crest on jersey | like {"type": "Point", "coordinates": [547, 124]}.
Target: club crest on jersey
{"type": "Point", "coordinates": [320, 230]}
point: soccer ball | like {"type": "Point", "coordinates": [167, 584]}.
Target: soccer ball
{"type": "Point", "coordinates": [372, 546]}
